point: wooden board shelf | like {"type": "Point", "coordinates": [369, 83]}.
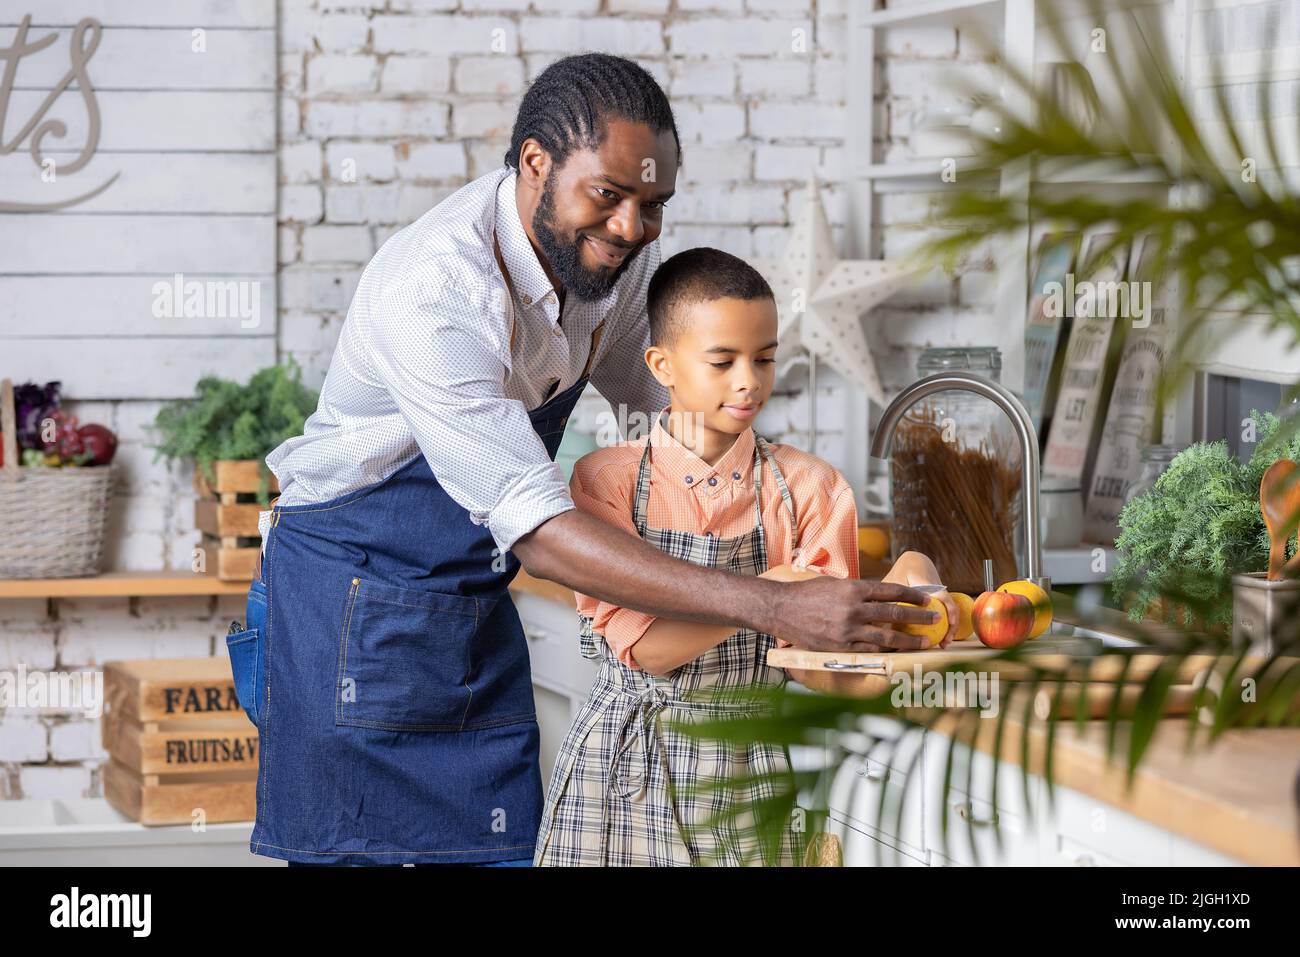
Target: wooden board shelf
{"type": "Point", "coordinates": [987, 13]}
{"type": "Point", "coordinates": [153, 584]}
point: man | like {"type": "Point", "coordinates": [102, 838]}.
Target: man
{"type": "Point", "coordinates": [395, 705]}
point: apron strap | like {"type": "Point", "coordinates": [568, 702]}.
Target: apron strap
{"type": "Point", "coordinates": [767, 453]}
{"type": "Point", "coordinates": [510, 286]}
{"type": "Point", "coordinates": [758, 491]}
{"type": "Point", "coordinates": [642, 498]}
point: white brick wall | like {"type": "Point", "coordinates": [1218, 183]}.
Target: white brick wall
{"type": "Point", "coordinates": [416, 75]}
{"type": "Point", "coordinates": [387, 106]}
{"type": "Point", "coordinates": [55, 781]}
{"type": "Point", "coordinates": [330, 73]}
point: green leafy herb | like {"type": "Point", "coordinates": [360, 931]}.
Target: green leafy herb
{"type": "Point", "coordinates": [1197, 527]}
{"type": "Point", "coordinates": [231, 421]}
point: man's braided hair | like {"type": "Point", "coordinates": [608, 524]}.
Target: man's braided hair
{"type": "Point", "coordinates": [567, 105]}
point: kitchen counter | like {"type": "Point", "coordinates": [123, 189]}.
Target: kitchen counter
{"type": "Point", "coordinates": [1237, 797]}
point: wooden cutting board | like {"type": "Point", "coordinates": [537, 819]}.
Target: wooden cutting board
{"type": "Point", "coordinates": [1059, 653]}
{"type": "Point", "coordinates": [1054, 652]}
{"type": "Point", "coordinates": [868, 674]}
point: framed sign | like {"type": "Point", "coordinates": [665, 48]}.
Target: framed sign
{"type": "Point", "coordinates": [137, 193]}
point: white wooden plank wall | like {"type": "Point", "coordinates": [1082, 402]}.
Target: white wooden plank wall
{"type": "Point", "coordinates": [180, 190]}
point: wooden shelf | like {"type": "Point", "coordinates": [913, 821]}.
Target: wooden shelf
{"type": "Point", "coordinates": [952, 13]}
{"type": "Point", "coordinates": [924, 174]}
{"type": "Point", "coordinates": [121, 585]}
{"type": "Point", "coordinates": [1092, 171]}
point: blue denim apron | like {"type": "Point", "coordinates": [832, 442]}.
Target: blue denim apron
{"type": "Point", "coordinates": [388, 675]}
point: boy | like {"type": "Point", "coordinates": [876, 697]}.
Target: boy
{"type": "Point", "coordinates": [703, 488]}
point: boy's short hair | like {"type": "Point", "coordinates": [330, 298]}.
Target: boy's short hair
{"type": "Point", "coordinates": [697, 275]}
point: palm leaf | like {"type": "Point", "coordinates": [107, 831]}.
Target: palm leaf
{"type": "Point", "coordinates": [1213, 255]}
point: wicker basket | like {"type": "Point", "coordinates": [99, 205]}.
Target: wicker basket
{"type": "Point", "coordinates": [51, 519]}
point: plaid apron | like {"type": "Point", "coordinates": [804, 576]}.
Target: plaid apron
{"type": "Point", "coordinates": [623, 789]}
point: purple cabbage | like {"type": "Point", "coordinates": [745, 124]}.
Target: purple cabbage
{"type": "Point", "coordinates": [33, 404]}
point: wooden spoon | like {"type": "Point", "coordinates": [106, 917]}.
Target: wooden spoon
{"type": "Point", "coordinates": [1279, 502]}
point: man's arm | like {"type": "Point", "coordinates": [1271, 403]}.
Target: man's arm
{"type": "Point", "coordinates": [825, 614]}
{"type": "Point", "coordinates": [668, 643]}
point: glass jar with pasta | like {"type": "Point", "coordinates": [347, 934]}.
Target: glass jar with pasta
{"type": "Point", "coordinates": [955, 476]}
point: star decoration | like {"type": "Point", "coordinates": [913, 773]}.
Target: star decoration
{"type": "Point", "coordinates": [820, 298]}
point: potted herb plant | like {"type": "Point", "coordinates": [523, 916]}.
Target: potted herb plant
{"type": "Point", "coordinates": [227, 430]}
{"type": "Point", "coordinates": [1198, 528]}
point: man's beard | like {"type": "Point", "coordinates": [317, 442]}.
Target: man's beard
{"type": "Point", "coordinates": [565, 256]}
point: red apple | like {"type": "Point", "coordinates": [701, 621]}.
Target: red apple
{"type": "Point", "coordinates": [99, 442]}
{"type": "Point", "coordinates": [1002, 620]}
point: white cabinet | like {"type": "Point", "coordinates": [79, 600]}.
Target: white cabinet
{"type": "Point", "coordinates": [862, 848]}
{"type": "Point", "coordinates": [883, 768]}
{"type": "Point", "coordinates": [978, 830]}
{"type": "Point", "coordinates": [1080, 831]}
{"type": "Point", "coordinates": [89, 832]}
{"type": "Point", "coordinates": [553, 647]}
{"type": "Point", "coordinates": [1187, 853]}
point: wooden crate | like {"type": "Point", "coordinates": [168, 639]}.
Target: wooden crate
{"type": "Point", "coordinates": [240, 476]}
{"type": "Point", "coordinates": [153, 799]}
{"type": "Point", "coordinates": [178, 741]}
{"type": "Point", "coordinates": [182, 747]}
{"type": "Point", "coordinates": [230, 559]}
{"type": "Point", "coordinates": [171, 689]}
{"type": "Point", "coordinates": [226, 512]}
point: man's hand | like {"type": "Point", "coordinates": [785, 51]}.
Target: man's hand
{"type": "Point", "coordinates": [916, 570]}
{"type": "Point", "coordinates": [954, 616]}
{"type": "Point", "coordinates": [835, 614]}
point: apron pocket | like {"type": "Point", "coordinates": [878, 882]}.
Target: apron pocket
{"type": "Point", "coordinates": [247, 651]}
{"type": "Point", "coordinates": [404, 658]}
{"type": "Point", "coordinates": [246, 665]}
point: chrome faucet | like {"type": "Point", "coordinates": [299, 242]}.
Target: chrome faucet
{"type": "Point", "coordinates": [883, 440]}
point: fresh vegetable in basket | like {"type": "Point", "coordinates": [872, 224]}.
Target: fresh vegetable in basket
{"type": "Point", "coordinates": [1185, 538]}
{"type": "Point", "coordinates": [49, 436]}
{"type": "Point", "coordinates": [60, 438]}
{"type": "Point", "coordinates": [98, 444]}
{"type": "Point", "coordinates": [70, 443]}
{"type": "Point", "coordinates": [52, 517]}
